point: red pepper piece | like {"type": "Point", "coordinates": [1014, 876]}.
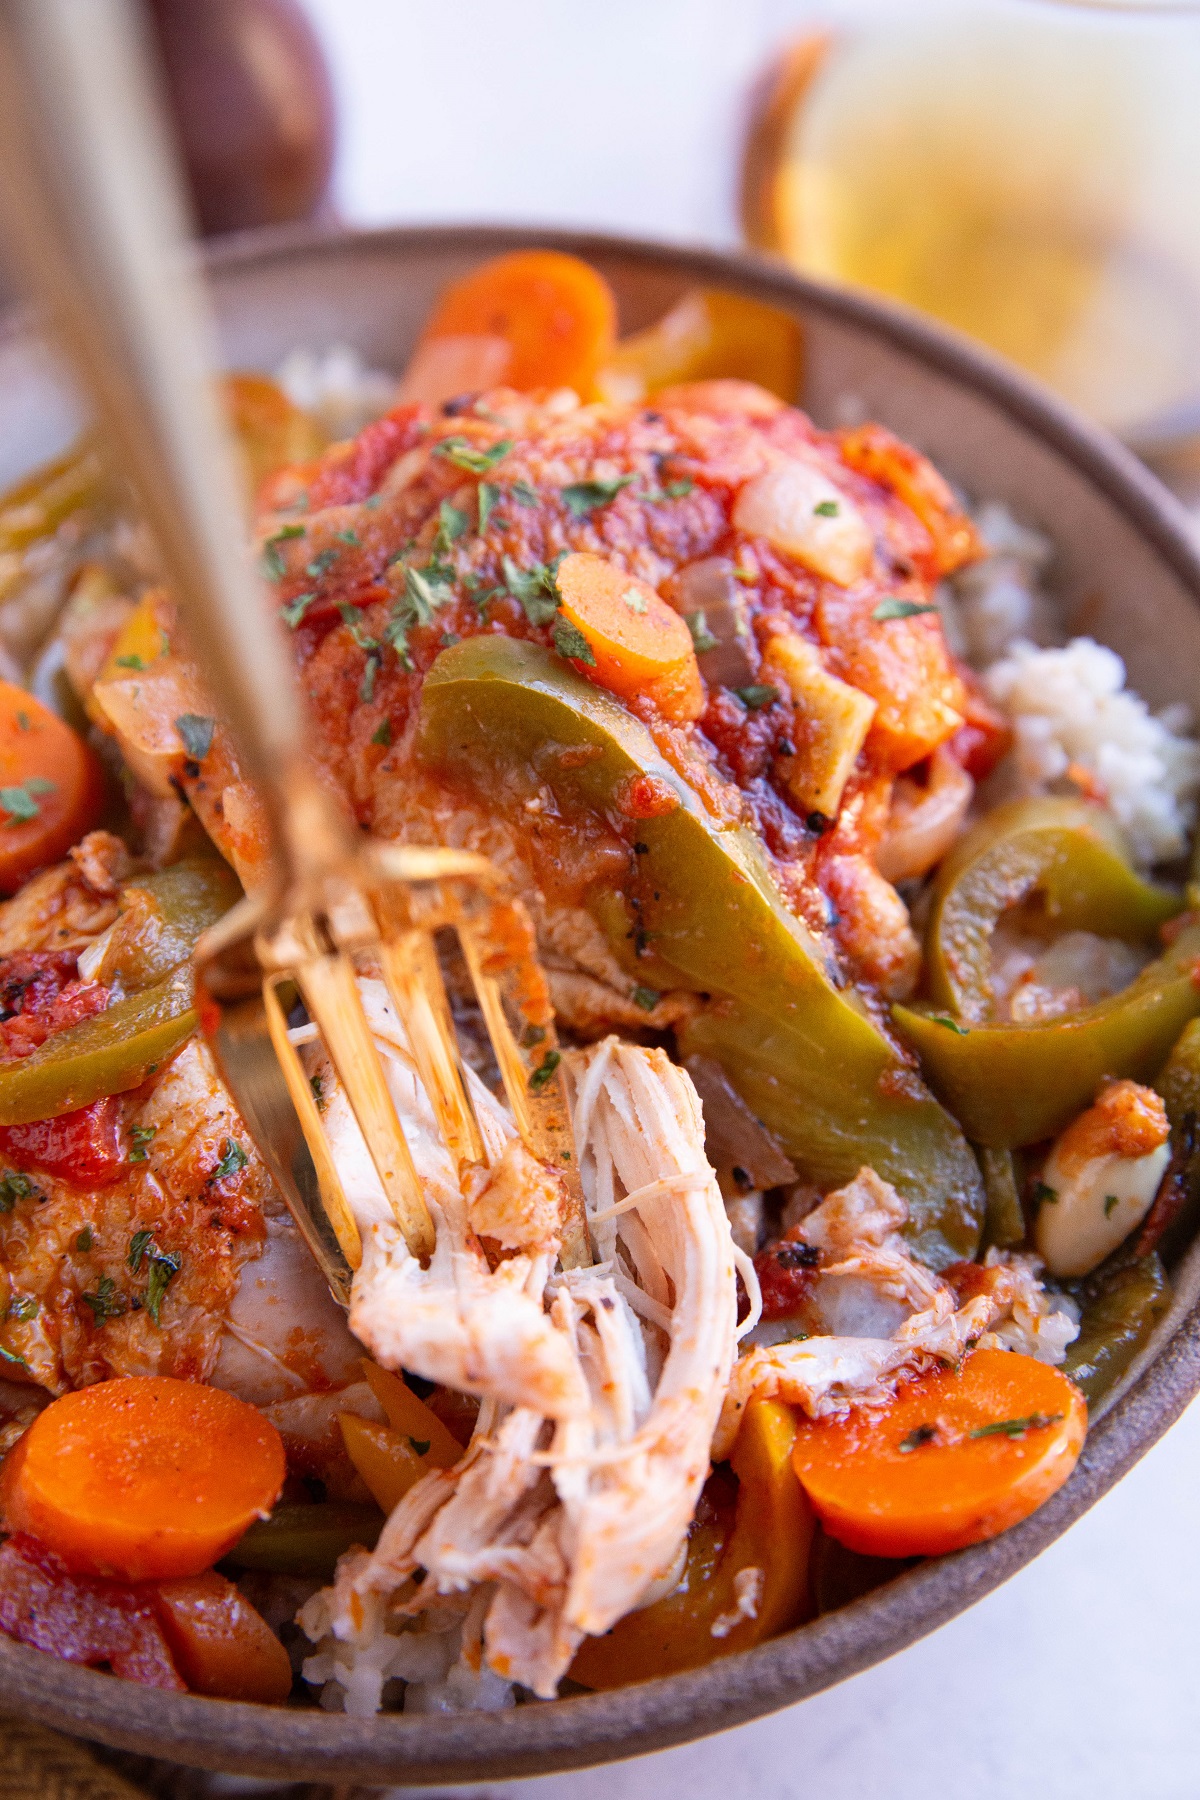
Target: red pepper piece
{"type": "Point", "coordinates": [40, 992]}
{"type": "Point", "coordinates": [80, 1619]}
{"type": "Point", "coordinates": [87, 1146]}
{"type": "Point", "coordinates": [785, 1271]}
{"type": "Point", "coordinates": [348, 474]}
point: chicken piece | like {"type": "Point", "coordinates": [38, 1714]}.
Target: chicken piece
{"type": "Point", "coordinates": [67, 906]}
{"type": "Point", "coordinates": [574, 1517]}
{"type": "Point", "coordinates": [1100, 1179]}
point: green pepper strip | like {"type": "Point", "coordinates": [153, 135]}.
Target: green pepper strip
{"type": "Point", "coordinates": [116, 1050]}
{"type": "Point", "coordinates": [1122, 1302]}
{"type": "Point", "coordinates": [1017, 1084]}
{"type": "Point", "coordinates": [301, 1539]}
{"type": "Point", "coordinates": [802, 1052]}
{"type": "Point", "coordinates": [1070, 854]}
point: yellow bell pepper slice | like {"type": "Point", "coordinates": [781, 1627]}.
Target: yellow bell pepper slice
{"type": "Point", "coordinates": [708, 335]}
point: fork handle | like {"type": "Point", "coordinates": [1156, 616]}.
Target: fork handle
{"type": "Point", "coordinates": [95, 212]}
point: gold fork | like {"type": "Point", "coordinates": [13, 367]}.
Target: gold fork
{"type": "Point", "coordinates": [93, 208]}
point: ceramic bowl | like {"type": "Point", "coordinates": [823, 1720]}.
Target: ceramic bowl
{"type": "Point", "coordinates": [1125, 571]}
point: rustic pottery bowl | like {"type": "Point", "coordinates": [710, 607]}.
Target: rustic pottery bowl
{"type": "Point", "coordinates": [1126, 573]}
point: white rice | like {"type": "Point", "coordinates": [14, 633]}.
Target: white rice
{"type": "Point", "coordinates": [1068, 703]}
{"type": "Point", "coordinates": [337, 387]}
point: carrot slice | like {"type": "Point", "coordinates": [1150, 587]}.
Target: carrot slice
{"type": "Point", "coordinates": [219, 1643]}
{"type": "Point", "coordinates": [51, 786]}
{"type": "Point", "coordinates": [556, 313]}
{"type": "Point", "coordinates": [142, 1477]}
{"type": "Point", "coordinates": [634, 643]}
{"type": "Point", "coordinates": [956, 1458]}
{"type": "Point", "coordinates": [708, 335]}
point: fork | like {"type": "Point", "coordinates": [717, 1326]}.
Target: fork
{"type": "Point", "coordinates": [92, 203]}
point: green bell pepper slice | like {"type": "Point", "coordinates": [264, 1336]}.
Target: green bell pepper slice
{"type": "Point", "coordinates": [1017, 1084]}
{"type": "Point", "coordinates": [156, 929]}
{"type": "Point", "coordinates": [303, 1538]}
{"type": "Point", "coordinates": [1122, 1302]}
{"type": "Point", "coordinates": [802, 1051]}
{"type": "Point", "coordinates": [1070, 854]}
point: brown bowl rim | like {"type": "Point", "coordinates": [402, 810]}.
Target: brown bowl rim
{"type": "Point", "coordinates": [589, 1729]}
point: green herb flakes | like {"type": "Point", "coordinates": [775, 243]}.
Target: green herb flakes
{"type": "Point", "coordinates": [756, 696]}
{"type": "Point", "coordinates": [420, 1445]}
{"type": "Point", "coordinates": [583, 497]}
{"type": "Point", "coordinates": [14, 1187]}
{"type": "Point", "coordinates": [464, 455]}
{"type": "Point", "coordinates": [195, 734]}
{"type": "Point", "coordinates": [23, 1309]}
{"type": "Point", "coordinates": [20, 803]}
{"type": "Point", "coordinates": [923, 1434]}
{"type": "Point", "coordinates": [646, 998]}
{"type": "Point", "coordinates": [702, 637]}
{"type": "Point", "coordinates": [1043, 1195]}
{"type": "Point", "coordinates": [320, 563]}
{"type": "Point", "coordinates": [535, 588]}
{"type": "Point", "coordinates": [899, 609]}
{"type": "Point", "coordinates": [139, 1243]}
{"type": "Point", "coordinates": [489, 494]}
{"type": "Point", "coordinates": [524, 495]}
{"type": "Point", "coordinates": [106, 1303]}
{"type": "Point", "coordinates": [570, 641]}
{"type": "Point", "coordinates": [274, 565]}
{"type": "Point", "coordinates": [317, 1084]}
{"type": "Point", "coordinates": [24, 722]}
{"type": "Point", "coordinates": [544, 1073]}
{"type": "Point", "coordinates": [679, 490]}
{"type": "Point", "coordinates": [137, 663]}
{"type": "Point", "coordinates": [426, 589]}
{"type": "Point", "coordinates": [1110, 1204]}
{"type": "Point", "coordinates": [348, 537]}
{"type": "Point", "coordinates": [948, 1024]}
{"type": "Point", "coordinates": [294, 611]}
{"type": "Point", "coordinates": [233, 1159]}
{"type": "Point", "coordinates": [827, 509]}
{"type": "Point", "coordinates": [141, 1137]}
{"type": "Point", "coordinates": [163, 1270]}
{"type": "Point", "coordinates": [10, 1356]}
{"type": "Point", "coordinates": [1016, 1428]}
{"type": "Point", "coordinates": [83, 1241]}
{"type": "Point", "coordinates": [382, 734]}
{"type": "Point", "coordinates": [452, 522]}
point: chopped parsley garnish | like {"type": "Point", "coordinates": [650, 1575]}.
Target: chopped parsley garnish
{"type": "Point", "coordinates": [535, 588]}
{"type": "Point", "coordinates": [1044, 1195]}
{"type": "Point", "coordinates": [948, 1024]}
{"type": "Point", "coordinates": [898, 609]}
{"type": "Point", "coordinates": [106, 1303]}
{"type": "Point", "coordinates": [233, 1158]}
{"type": "Point", "coordinates": [923, 1434]}
{"type": "Point", "coordinates": [131, 662]}
{"type": "Point", "coordinates": [583, 497]}
{"type": "Point", "coordinates": [20, 803]}
{"type": "Point", "coordinates": [702, 637]}
{"type": "Point", "coordinates": [1016, 1428]}
{"type": "Point", "coordinates": [635, 600]}
{"type": "Point", "coordinates": [351, 618]}
{"type": "Point", "coordinates": [756, 696]}
{"type": "Point", "coordinates": [679, 490]}
{"type": "Point", "coordinates": [274, 566]}
{"type": "Point", "coordinates": [489, 494]}
{"type": "Point", "coordinates": [195, 734]}
{"type": "Point", "coordinates": [452, 522]}
{"type": "Point", "coordinates": [646, 998]}
{"type": "Point", "coordinates": [382, 734]}
{"type": "Point", "coordinates": [826, 509]}
{"type": "Point", "coordinates": [295, 609]}
{"type": "Point", "coordinates": [524, 495]}
{"type": "Point", "coordinates": [14, 1187]}
{"type": "Point", "coordinates": [570, 641]}
{"type": "Point", "coordinates": [163, 1270]}
{"type": "Point", "coordinates": [23, 1310]}
{"type": "Point", "coordinates": [532, 1036]}
{"type": "Point", "coordinates": [83, 1242]}
{"type": "Point", "coordinates": [1110, 1204]}
{"type": "Point", "coordinates": [426, 589]}
{"type": "Point", "coordinates": [24, 722]}
{"type": "Point", "coordinates": [325, 560]}
{"type": "Point", "coordinates": [420, 1445]}
{"type": "Point", "coordinates": [139, 1243]}
{"type": "Point", "coordinates": [348, 537]}
{"type": "Point", "coordinates": [141, 1136]}
{"type": "Point", "coordinates": [317, 1084]}
{"type": "Point", "coordinates": [544, 1073]}
{"type": "Point", "coordinates": [10, 1356]}
{"type": "Point", "coordinates": [463, 454]}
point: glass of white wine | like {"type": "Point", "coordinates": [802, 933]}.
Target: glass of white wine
{"type": "Point", "coordinates": [1025, 170]}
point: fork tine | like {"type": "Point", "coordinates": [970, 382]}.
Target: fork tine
{"type": "Point", "coordinates": [329, 988]}
{"type": "Point", "coordinates": [414, 981]}
{"type": "Point", "coordinates": [333, 1197]}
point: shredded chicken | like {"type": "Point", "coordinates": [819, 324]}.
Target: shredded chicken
{"type": "Point", "coordinates": [568, 1507]}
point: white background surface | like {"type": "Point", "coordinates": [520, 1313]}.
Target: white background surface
{"type": "Point", "coordinates": [1080, 1676]}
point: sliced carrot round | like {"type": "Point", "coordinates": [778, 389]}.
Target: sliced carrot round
{"type": "Point", "coordinates": [556, 313]}
{"type": "Point", "coordinates": [51, 786]}
{"type": "Point", "coordinates": [638, 644]}
{"type": "Point", "coordinates": [143, 1477]}
{"type": "Point", "coordinates": [954, 1459]}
